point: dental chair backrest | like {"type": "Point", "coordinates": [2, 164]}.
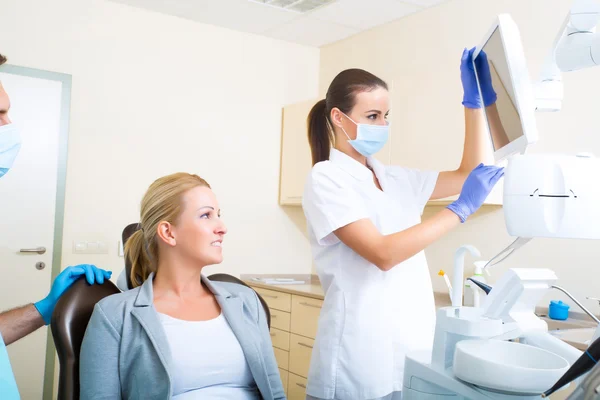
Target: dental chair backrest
{"type": "Point", "coordinates": [131, 228]}
{"type": "Point", "coordinates": [233, 279]}
{"type": "Point", "coordinates": [69, 321]}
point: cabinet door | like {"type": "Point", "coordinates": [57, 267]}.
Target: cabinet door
{"type": "Point", "coordinates": [296, 160]}
{"type": "Point", "coordinates": [300, 354]}
{"type": "Point", "coordinates": [282, 357]}
{"type": "Point", "coordinates": [296, 387]}
{"type": "Point", "coordinates": [284, 379]}
{"type": "Point", "coordinates": [276, 300]}
{"type": "Point", "coordinates": [280, 339]}
{"type": "Point", "coordinates": [280, 319]}
{"type": "Point", "coordinates": [305, 315]}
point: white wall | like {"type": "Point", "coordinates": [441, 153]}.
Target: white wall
{"type": "Point", "coordinates": [421, 54]}
{"type": "Point", "coordinates": [154, 94]}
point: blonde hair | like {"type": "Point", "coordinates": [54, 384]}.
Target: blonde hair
{"type": "Point", "coordinates": [162, 202]}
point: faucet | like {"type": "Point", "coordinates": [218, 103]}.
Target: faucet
{"type": "Point", "coordinates": [588, 312]}
{"type": "Point", "coordinates": [459, 276]}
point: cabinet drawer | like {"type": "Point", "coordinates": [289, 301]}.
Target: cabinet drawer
{"type": "Point", "coordinates": [280, 320]}
{"type": "Point", "coordinates": [276, 300]}
{"type": "Point", "coordinates": [296, 387]}
{"type": "Point", "coordinates": [280, 339]}
{"type": "Point", "coordinates": [284, 379]}
{"type": "Point", "coordinates": [282, 357]}
{"type": "Point", "coordinates": [300, 352]}
{"type": "Point", "coordinates": [305, 316]}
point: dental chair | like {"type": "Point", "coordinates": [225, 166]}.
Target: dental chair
{"type": "Point", "coordinates": [131, 228]}
{"type": "Point", "coordinates": [69, 321]}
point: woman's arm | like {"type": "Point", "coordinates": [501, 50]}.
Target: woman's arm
{"type": "Point", "coordinates": [387, 251]}
{"type": "Point", "coordinates": [99, 359]}
{"type": "Point", "coordinates": [475, 151]}
{"type": "Point", "coordinates": [476, 148]}
{"type": "Point", "coordinates": [499, 136]}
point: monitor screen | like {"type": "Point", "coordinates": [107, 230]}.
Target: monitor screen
{"type": "Point", "coordinates": [503, 119]}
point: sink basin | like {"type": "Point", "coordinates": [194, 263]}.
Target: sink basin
{"type": "Point", "coordinates": [507, 367]}
{"type": "Point", "coordinates": [580, 338]}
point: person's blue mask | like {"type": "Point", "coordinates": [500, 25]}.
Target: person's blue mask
{"type": "Point", "coordinates": [369, 138]}
{"type": "Point", "coordinates": [10, 144]}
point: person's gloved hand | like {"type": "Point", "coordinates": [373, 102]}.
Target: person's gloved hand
{"type": "Point", "coordinates": [64, 280]}
{"type": "Point", "coordinates": [476, 188]}
{"type": "Point", "coordinates": [471, 97]}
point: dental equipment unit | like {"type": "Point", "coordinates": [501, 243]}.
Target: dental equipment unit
{"type": "Point", "coordinates": [502, 350]}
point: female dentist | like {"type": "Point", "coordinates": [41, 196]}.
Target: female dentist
{"type": "Point", "coordinates": [367, 236]}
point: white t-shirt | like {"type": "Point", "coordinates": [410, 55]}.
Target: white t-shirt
{"type": "Point", "coordinates": [370, 318]}
{"type": "Point", "coordinates": [207, 361]}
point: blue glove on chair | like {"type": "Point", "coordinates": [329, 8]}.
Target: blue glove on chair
{"type": "Point", "coordinates": [476, 188]}
{"type": "Point", "coordinates": [64, 280]}
{"type": "Point", "coordinates": [471, 98]}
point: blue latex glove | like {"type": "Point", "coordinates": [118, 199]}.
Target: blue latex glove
{"type": "Point", "coordinates": [476, 188]}
{"type": "Point", "coordinates": [471, 97]}
{"type": "Point", "coordinates": [64, 280]}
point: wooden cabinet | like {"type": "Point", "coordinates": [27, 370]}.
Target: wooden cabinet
{"type": "Point", "coordinates": [305, 316]}
{"type": "Point", "coordinates": [296, 387]}
{"type": "Point", "coordinates": [296, 160]}
{"type": "Point", "coordinates": [280, 339]}
{"type": "Point", "coordinates": [280, 319]}
{"type": "Point", "coordinates": [300, 351]}
{"type": "Point", "coordinates": [276, 300]}
{"type": "Point", "coordinates": [294, 321]}
{"type": "Point", "coordinates": [284, 379]}
{"type": "Point", "coordinates": [282, 357]}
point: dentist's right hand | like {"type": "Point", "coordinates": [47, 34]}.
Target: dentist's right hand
{"type": "Point", "coordinates": [476, 188]}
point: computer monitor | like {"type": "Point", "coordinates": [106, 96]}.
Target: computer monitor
{"type": "Point", "coordinates": [510, 120]}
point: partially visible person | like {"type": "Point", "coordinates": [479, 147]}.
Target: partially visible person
{"type": "Point", "coordinates": [20, 322]}
{"type": "Point", "coordinates": [177, 334]}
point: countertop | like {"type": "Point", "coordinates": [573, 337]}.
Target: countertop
{"type": "Point", "coordinates": [577, 330]}
{"type": "Point", "coordinates": [312, 287]}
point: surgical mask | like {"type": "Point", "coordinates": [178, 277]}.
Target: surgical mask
{"type": "Point", "coordinates": [369, 138]}
{"type": "Point", "coordinates": [10, 144]}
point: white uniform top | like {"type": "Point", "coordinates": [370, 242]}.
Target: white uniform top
{"type": "Point", "coordinates": [207, 361]}
{"type": "Point", "coordinates": [370, 318]}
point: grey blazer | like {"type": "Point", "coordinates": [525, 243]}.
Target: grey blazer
{"type": "Point", "coordinates": [125, 353]}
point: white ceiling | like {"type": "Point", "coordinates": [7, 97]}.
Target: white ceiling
{"type": "Point", "coordinates": [330, 23]}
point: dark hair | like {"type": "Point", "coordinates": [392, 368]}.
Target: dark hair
{"type": "Point", "coordinates": [341, 94]}
{"type": "Point", "coordinates": [2, 59]}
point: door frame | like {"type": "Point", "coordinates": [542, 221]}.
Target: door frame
{"type": "Point", "coordinates": [59, 215]}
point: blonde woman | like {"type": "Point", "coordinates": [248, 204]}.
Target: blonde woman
{"type": "Point", "coordinates": [178, 335]}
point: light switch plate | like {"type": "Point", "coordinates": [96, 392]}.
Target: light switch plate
{"type": "Point", "coordinates": [89, 247]}
{"type": "Point", "coordinates": [121, 251]}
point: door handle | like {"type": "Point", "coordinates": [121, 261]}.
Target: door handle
{"type": "Point", "coordinates": [38, 250]}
